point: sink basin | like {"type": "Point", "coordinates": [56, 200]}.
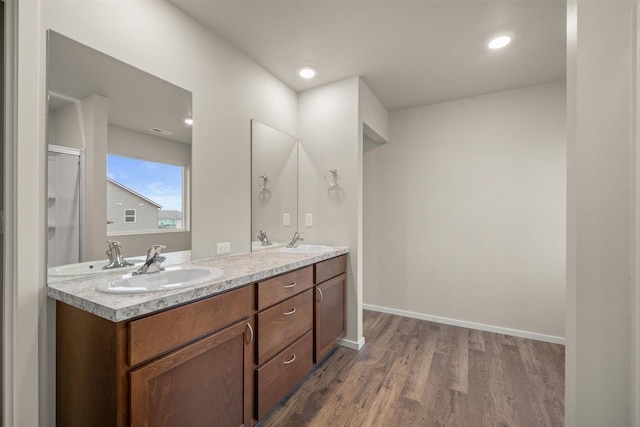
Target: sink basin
{"type": "Point", "coordinates": [169, 279]}
{"type": "Point", "coordinates": [307, 249]}
{"type": "Point", "coordinates": [257, 246]}
{"type": "Point", "coordinates": [91, 268]}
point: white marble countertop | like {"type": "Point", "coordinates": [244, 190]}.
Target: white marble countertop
{"type": "Point", "coordinates": [239, 270]}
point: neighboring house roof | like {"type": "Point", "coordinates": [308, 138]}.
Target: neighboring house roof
{"type": "Point", "coordinates": [169, 214]}
{"type": "Point", "coordinates": [134, 193]}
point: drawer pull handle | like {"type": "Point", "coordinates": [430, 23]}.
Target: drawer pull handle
{"type": "Point", "coordinates": [320, 294]}
{"type": "Point", "coordinates": [251, 333]}
{"type": "Point", "coordinates": [290, 360]}
{"type": "Point", "coordinates": [289, 313]}
{"type": "Point", "coordinates": [289, 286]}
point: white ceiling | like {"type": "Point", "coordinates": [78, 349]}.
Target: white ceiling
{"type": "Point", "coordinates": [136, 100]}
{"type": "Point", "coordinates": [409, 53]}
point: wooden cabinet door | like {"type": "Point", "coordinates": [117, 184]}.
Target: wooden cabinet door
{"type": "Point", "coordinates": [207, 383]}
{"type": "Point", "coordinates": [329, 315]}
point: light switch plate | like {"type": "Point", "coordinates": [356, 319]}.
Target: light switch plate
{"type": "Point", "coordinates": [223, 248]}
{"type": "Point", "coordinates": [308, 220]}
{"type": "Point", "coordinates": [286, 219]}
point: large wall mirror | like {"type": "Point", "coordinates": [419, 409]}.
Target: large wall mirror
{"type": "Point", "coordinates": [119, 158]}
{"type": "Point", "coordinates": [274, 186]}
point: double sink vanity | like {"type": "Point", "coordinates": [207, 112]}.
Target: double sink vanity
{"type": "Point", "coordinates": [220, 353]}
{"type": "Point", "coordinates": [218, 341]}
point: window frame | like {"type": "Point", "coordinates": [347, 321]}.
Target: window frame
{"type": "Point", "coordinates": [134, 215]}
{"type": "Point", "coordinates": [186, 195]}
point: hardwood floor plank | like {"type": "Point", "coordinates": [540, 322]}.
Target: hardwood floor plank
{"type": "Point", "coordinates": [528, 407]}
{"type": "Point", "coordinates": [459, 361]}
{"type": "Point", "coordinates": [482, 408]}
{"type": "Point", "coordinates": [476, 340]}
{"type": "Point", "coordinates": [530, 353]}
{"type": "Point", "coordinates": [419, 373]}
{"type": "Point", "coordinates": [415, 383]}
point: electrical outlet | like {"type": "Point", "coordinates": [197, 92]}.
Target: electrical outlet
{"type": "Point", "coordinates": [286, 219]}
{"type": "Point", "coordinates": [308, 220]}
{"type": "Point", "coordinates": [223, 248]}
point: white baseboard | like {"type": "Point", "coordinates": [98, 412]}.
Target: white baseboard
{"type": "Point", "coordinates": [355, 345]}
{"type": "Point", "coordinates": [469, 325]}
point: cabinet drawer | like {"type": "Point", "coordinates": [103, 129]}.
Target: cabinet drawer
{"type": "Point", "coordinates": [283, 372]}
{"type": "Point", "coordinates": [280, 325]}
{"type": "Point", "coordinates": [325, 270]}
{"type": "Point", "coordinates": [272, 291]}
{"type": "Point", "coordinates": [162, 332]}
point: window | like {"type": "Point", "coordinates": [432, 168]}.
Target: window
{"type": "Point", "coordinates": [151, 194]}
{"type": "Point", "coordinates": [129, 215]}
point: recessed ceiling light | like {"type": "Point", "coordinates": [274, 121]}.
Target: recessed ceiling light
{"type": "Point", "coordinates": [500, 41]}
{"type": "Point", "coordinates": [188, 121]}
{"type": "Point", "coordinates": [307, 72]}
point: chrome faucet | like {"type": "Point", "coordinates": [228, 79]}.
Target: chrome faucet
{"type": "Point", "coordinates": [295, 240]}
{"type": "Point", "coordinates": [116, 260]}
{"type": "Point", "coordinates": [154, 259]}
{"type": "Point", "coordinates": [262, 236]}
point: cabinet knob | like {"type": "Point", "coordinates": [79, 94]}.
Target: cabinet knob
{"type": "Point", "coordinates": [289, 286]}
{"type": "Point", "coordinates": [320, 295]}
{"type": "Point", "coordinates": [286, 362]}
{"type": "Point", "coordinates": [289, 313]}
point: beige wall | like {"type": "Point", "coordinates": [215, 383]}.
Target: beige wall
{"type": "Point", "coordinates": [330, 123]}
{"type": "Point", "coordinates": [328, 133]}
{"type": "Point", "coordinates": [465, 211]}
{"type": "Point", "coordinates": [157, 38]}
{"type": "Point", "coordinates": [600, 226]}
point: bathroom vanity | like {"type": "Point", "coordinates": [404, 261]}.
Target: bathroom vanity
{"type": "Point", "coordinates": [228, 351]}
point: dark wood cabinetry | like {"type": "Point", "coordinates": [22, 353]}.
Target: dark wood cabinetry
{"type": "Point", "coordinates": [174, 367]}
{"type": "Point", "coordinates": [278, 376]}
{"type": "Point", "coordinates": [225, 360]}
{"type": "Point", "coordinates": [285, 337]}
{"type": "Point", "coordinates": [329, 316]}
{"type": "Point", "coordinates": [209, 382]}
{"type": "Point", "coordinates": [330, 309]}
{"type": "Point", "coordinates": [283, 324]}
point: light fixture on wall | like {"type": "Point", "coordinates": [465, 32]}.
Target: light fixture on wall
{"type": "Point", "coordinates": [498, 41]}
{"type": "Point", "coordinates": [307, 72]}
{"type": "Point", "coordinates": [188, 121]}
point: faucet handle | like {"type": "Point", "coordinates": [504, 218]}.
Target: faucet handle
{"type": "Point", "coordinates": [155, 250]}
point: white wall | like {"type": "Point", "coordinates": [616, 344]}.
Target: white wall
{"type": "Point", "coordinates": [228, 90]}
{"type": "Point", "coordinates": [331, 125]}
{"type": "Point", "coordinates": [328, 134]}
{"type": "Point", "coordinates": [465, 211]}
{"type": "Point", "coordinates": [600, 216]}
{"type": "Point", "coordinates": [373, 113]}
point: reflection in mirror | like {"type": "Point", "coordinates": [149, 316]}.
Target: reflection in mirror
{"type": "Point", "coordinates": [119, 161]}
{"type": "Point", "coordinates": [274, 186]}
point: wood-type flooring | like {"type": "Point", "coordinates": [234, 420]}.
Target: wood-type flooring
{"type": "Point", "coordinates": [419, 373]}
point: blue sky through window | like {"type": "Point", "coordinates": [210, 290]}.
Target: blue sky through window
{"type": "Point", "coordinates": [159, 182]}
